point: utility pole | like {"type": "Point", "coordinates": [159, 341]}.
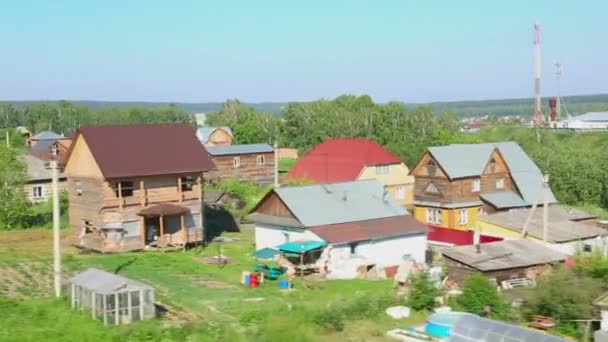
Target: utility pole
{"type": "Point", "coordinates": [56, 221]}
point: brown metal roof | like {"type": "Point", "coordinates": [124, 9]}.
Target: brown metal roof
{"type": "Point", "coordinates": [145, 150]}
{"type": "Point", "coordinates": [163, 209]}
{"type": "Point", "coordinates": [370, 229]}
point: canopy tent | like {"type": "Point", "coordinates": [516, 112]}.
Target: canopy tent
{"type": "Point", "coordinates": [299, 247]}
{"type": "Point", "coordinates": [265, 253]}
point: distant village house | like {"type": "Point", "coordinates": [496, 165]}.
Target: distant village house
{"type": "Point", "coordinates": [253, 162]}
{"type": "Point", "coordinates": [214, 136]}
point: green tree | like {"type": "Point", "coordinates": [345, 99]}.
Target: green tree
{"type": "Point", "coordinates": [480, 297]}
{"type": "Point", "coordinates": [14, 207]}
{"type": "Point", "coordinates": [422, 292]}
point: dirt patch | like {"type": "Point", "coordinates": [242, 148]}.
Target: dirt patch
{"type": "Point", "coordinates": [26, 280]}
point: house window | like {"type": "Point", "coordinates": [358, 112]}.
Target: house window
{"type": "Point", "coordinates": [432, 189]}
{"type": "Point", "coordinates": [433, 215]}
{"type": "Point", "coordinates": [126, 189]}
{"type": "Point", "coordinates": [500, 183]}
{"type": "Point", "coordinates": [587, 248]}
{"type": "Point", "coordinates": [475, 185]}
{"type": "Point", "coordinates": [260, 160]}
{"type": "Point", "coordinates": [187, 183]}
{"type": "Point", "coordinates": [463, 217]}
{"type": "Point", "coordinates": [382, 169]}
{"type": "Point", "coordinates": [37, 192]}
{"type": "Point", "coordinates": [400, 193]}
{"type": "Point", "coordinates": [236, 161]}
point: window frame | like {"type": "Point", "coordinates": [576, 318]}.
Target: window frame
{"type": "Point", "coordinates": [431, 188]}
{"type": "Point", "coordinates": [187, 183]}
{"type": "Point", "coordinates": [382, 169]}
{"type": "Point", "coordinates": [236, 161]}
{"type": "Point", "coordinates": [500, 183]}
{"type": "Point", "coordinates": [476, 185]}
{"type": "Point", "coordinates": [125, 190]}
{"type": "Point", "coordinates": [35, 190]}
{"type": "Point", "coordinates": [463, 217]}
{"type": "Point", "coordinates": [260, 159]}
{"type": "Point", "coordinates": [400, 192]}
{"type": "Point", "coordinates": [433, 215]}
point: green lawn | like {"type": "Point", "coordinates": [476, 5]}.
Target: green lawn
{"type": "Point", "coordinates": [204, 301]}
{"type": "Point", "coordinates": [285, 164]}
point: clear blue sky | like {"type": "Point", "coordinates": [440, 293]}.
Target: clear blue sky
{"type": "Point", "coordinates": [198, 51]}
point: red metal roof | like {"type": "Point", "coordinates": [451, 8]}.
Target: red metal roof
{"type": "Point", "coordinates": [145, 150]}
{"type": "Point", "coordinates": [340, 159]}
{"type": "Point", "coordinates": [370, 229]}
{"type": "Point", "coordinates": [456, 237]}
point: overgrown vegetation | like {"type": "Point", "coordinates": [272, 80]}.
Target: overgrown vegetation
{"type": "Point", "coordinates": [480, 297]}
{"type": "Point", "coordinates": [422, 292]}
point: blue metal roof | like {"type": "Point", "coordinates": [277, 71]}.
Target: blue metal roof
{"type": "Point", "coordinates": [469, 160]}
{"type": "Point", "coordinates": [203, 133]}
{"type": "Point", "coordinates": [504, 199]}
{"type": "Point", "coordinates": [239, 149]}
{"type": "Point", "coordinates": [321, 204]}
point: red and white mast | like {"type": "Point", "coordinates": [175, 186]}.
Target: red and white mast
{"type": "Point", "coordinates": [538, 113]}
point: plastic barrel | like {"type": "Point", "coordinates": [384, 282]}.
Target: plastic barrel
{"type": "Point", "coordinates": [253, 281]}
{"type": "Point", "coordinates": [247, 280]}
{"type": "Point", "coordinates": [284, 284]}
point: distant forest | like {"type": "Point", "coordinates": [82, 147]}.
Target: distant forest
{"type": "Point", "coordinates": [573, 104]}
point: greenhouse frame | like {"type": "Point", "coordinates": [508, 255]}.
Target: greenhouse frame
{"type": "Point", "coordinates": [472, 328]}
{"type": "Point", "coordinates": [111, 298]}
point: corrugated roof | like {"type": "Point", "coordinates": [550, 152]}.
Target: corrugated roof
{"type": "Point", "coordinates": [203, 133]}
{"type": "Point", "coordinates": [504, 199]}
{"type": "Point", "coordinates": [239, 149]}
{"type": "Point", "coordinates": [103, 282]}
{"type": "Point", "coordinates": [561, 226]}
{"type": "Point", "coordinates": [340, 159]}
{"type": "Point", "coordinates": [370, 229]}
{"type": "Point", "coordinates": [145, 150]}
{"type": "Point", "coordinates": [37, 169]}
{"type": "Point", "coordinates": [46, 135]}
{"type": "Point", "coordinates": [503, 255]}
{"type": "Point", "coordinates": [469, 160]}
{"type": "Point", "coordinates": [321, 204]}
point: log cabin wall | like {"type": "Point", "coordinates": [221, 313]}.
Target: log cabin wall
{"type": "Point", "coordinates": [249, 169]}
{"type": "Point", "coordinates": [458, 272]}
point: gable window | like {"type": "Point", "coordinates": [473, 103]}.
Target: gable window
{"type": "Point", "coordinates": [476, 185]}
{"type": "Point", "coordinates": [236, 161]}
{"type": "Point", "coordinates": [187, 183]}
{"type": "Point", "coordinates": [37, 192]}
{"type": "Point", "coordinates": [126, 189]}
{"type": "Point", "coordinates": [433, 215]}
{"type": "Point", "coordinates": [260, 160]}
{"type": "Point", "coordinates": [431, 189]}
{"type": "Point", "coordinates": [500, 183]}
{"type": "Point", "coordinates": [463, 217]}
{"type": "Point", "coordinates": [431, 168]}
{"type": "Point", "coordinates": [400, 193]}
{"type": "Point", "coordinates": [382, 169]}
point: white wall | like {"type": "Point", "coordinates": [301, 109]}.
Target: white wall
{"type": "Point", "coordinates": [267, 235]}
{"type": "Point", "coordinates": [571, 248]}
{"type": "Point", "coordinates": [604, 324]}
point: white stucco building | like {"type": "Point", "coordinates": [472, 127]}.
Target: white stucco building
{"type": "Point", "coordinates": [356, 222]}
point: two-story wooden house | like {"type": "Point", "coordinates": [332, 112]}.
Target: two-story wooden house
{"type": "Point", "coordinates": [254, 162]}
{"type": "Point", "coordinates": [456, 182]}
{"type": "Point", "coordinates": [135, 186]}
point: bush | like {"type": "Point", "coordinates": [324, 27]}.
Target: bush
{"type": "Point", "coordinates": [330, 319]}
{"type": "Point", "coordinates": [480, 297]}
{"type": "Point", "coordinates": [422, 293]}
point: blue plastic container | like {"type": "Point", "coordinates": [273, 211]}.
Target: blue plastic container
{"type": "Point", "coordinates": [247, 280]}
{"type": "Point", "coordinates": [284, 284]}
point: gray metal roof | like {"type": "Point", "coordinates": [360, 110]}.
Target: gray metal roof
{"type": "Point", "coordinates": [47, 135]}
{"type": "Point", "coordinates": [469, 160]}
{"type": "Point", "coordinates": [591, 116]}
{"type": "Point", "coordinates": [238, 149]}
{"type": "Point", "coordinates": [274, 220]}
{"type": "Point", "coordinates": [103, 282]}
{"type": "Point", "coordinates": [37, 169]}
{"type": "Point", "coordinates": [321, 204]}
{"type": "Point", "coordinates": [472, 328]}
{"type": "Point", "coordinates": [203, 133]}
{"type": "Point", "coordinates": [504, 199]}
{"type": "Point", "coordinates": [503, 255]}
{"type": "Point", "coordinates": [561, 226]}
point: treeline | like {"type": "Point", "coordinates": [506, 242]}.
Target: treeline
{"type": "Point", "coordinates": [64, 117]}
{"type": "Point", "coordinates": [407, 132]}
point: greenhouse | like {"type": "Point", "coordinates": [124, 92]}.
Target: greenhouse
{"type": "Point", "coordinates": [472, 328]}
{"type": "Point", "coordinates": [111, 298]}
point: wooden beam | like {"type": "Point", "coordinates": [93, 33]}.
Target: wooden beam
{"type": "Point", "coordinates": [179, 189]}
{"type": "Point", "coordinates": [162, 226]}
{"type": "Point", "coordinates": [142, 191]}
{"type": "Point", "coordinates": [143, 230]}
{"type": "Point", "coordinates": [120, 195]}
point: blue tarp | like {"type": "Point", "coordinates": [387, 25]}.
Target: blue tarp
{"type": "Point", "coordinates": [301, 246]}
{"type": "Point", "coordinates": [265, 253]}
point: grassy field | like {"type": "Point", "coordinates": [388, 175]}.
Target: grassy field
{"type": "Point", "coordinates": [204, 302]}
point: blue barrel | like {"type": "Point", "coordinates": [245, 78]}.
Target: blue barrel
{"type": "Point", "coordinates": [284, 284]}
{"type": "Point", "coordinates": [247, 280]}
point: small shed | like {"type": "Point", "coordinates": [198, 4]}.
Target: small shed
{"type": "Point", "coordinates": [112, 298]}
